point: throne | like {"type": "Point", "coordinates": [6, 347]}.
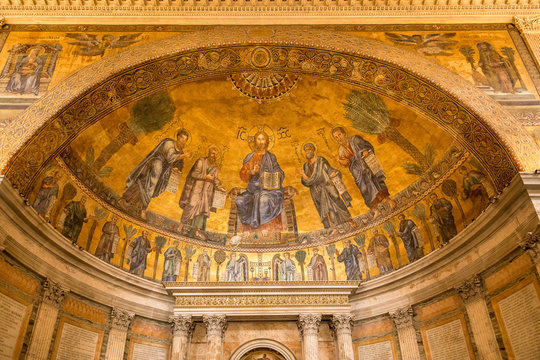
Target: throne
{"type": "Point", "coordinates": [288, 234]}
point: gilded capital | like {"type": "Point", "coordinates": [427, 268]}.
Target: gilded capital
{"type": "Point", "coordinates": [531, 244]}
{"type": "Point", "coordinates": [403, 317]}
{"type": "Point", "coordinates": [215, 325]}
{"type": "Point", "coordinates": [121, 319]}
{"type": "Point", "coordinates": [182, 325]}
{"type": "Point", "coordinates": [53, 293]}
{"type": "Point", "coordinates": [309, 323]}
{"type": "Point", "coordinates": [341, 323]}
{"type": "Point", "coordinates": [471, 289]}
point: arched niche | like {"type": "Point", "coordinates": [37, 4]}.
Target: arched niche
{"type": "Point", "coordinates": [253, 345]}
{"type": "Point", "coordinates": [474, 119]}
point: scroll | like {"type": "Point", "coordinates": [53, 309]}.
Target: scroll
{"type": "Point", "coordinates": [310, 273]}
{"type": "Point", "coordinates": [177, 267]}
{"type": "Point", "coordinates": [418, 234]}
{"type": "Point", "coordinates": [195, 273]}
{"type": "Point", "coordinates": [114, 247]}
{"type": "Point", "coordinates": [271, 181]}
{"type": "Point", "coordinates": [373, 163]}
{"type": "Point", "coordinates": [174, 181]}
{"type": "Point", "coordinates": [340, 186]}
{"type": "Point", "coordinates": [218, 201]}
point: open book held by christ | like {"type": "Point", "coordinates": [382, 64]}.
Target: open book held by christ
{"type": "Point", "coordinates": [270, 180]}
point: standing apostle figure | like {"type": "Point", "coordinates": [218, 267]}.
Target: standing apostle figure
{"type": "Point", "coordinates": [317, 175]}
{"type": "Point", "coordinates": [150, 178]}
{"type": "Point", "coordinates": [353, 153]}
{"type": "Point", "coordinates": [196, 199]}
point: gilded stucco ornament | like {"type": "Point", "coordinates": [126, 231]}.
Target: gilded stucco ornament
{"type": "Point", "coordinates": [487, 130]}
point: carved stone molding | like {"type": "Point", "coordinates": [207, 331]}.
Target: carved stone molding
{"type": "Point", "coordinates": [471, 289]}
{"type": "Point", "coordinates": [121, 319]}
{"type": "Point", "coordinates": [527, 24]}
{"type": "Point", "coordinates": [531, 245]}
{"type": "Point", "coordinates": [182, 325]}
{"type": "Point", "coordinates": [341, 323]}
{"type": "Point", "coordinates": [403, 317]}
{"type": "Point", "coordinates": [309, 323]}
{"type": "Point", "coordinates": [53, 293]}
{"type": "Point", "coordinates": [215, 325]}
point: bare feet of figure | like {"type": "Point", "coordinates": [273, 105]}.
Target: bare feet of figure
{"type": "Point", "coordinates": [143, 214]}
{"type": "Point", "coordinates": [392, 203]}
{"type": "Point", "coordinates": [180, 227]}
{"type": "Point", "coordinates": [376, 213]}
{"type": "Point", "coordinates": [334, 232]}
{"type": "Point", "coordinates": [199, 235]}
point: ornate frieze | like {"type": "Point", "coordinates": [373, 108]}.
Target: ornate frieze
{"type": "Point", "coordinates": [215, 325]}
{"type": "Point", "coordinates": [403, 317]}
{"type": "Point", "coordinates": [53, 293]}
{"type": "Point", "coordinates": [260, 301]}
{"type": "Point", "coordinates": [471, 289]}
{"type": "Point", "coordinates": [182, 324]}
{"type": "Point", "coordinates": [309, 323]}
{"type": "Point", "coordinates": [531, 245]}
{"type": "Point", "coordinates": [121, 319]}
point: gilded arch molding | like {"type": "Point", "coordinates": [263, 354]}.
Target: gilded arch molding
{"type": "Point", "coordinates": [482, 125]}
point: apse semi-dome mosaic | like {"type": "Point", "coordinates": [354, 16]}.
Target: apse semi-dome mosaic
{"type": "Point", "coordinates": [261, 177]}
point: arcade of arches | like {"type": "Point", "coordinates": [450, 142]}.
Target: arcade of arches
{"type": "Point", "coordinates": [348, 188]}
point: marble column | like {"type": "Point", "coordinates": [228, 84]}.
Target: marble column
{"type": "Point", "coordinates": [531, 245]}
{"type": "Point", "coordinates": [308, 324]}
{"type": "Point", "coordinates": [472, 293]}
{"type": "Point", "coordinates": [215, 331]}
{"type": "Point", "coordinates": [342, 326]}
{"type": "Point", "coordinates": [41, 339]}
{"type": "Point", "coordinates": [120, 322]}
{"type": "Point", "coordinates": [408, 343]}
{"type": "Point", "coordinates": [182, 328]}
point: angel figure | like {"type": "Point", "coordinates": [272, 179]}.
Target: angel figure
{"type": "Point", "coordinates": [427, 45]}
{"type": "Point", "coordinates": [91, 45]}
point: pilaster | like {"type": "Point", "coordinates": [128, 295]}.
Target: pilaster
{"type": "Point", "coordinates": [472, 294]}
{"type": "Point", "coordinates": [408, 343]}
{"type": "Point", "coordinates": [120, 321]}
{"type": "Point", "coordinates": [52, 298]}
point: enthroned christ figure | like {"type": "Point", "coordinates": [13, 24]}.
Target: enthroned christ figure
{"type": "Point", "coordinates": [260, 206]}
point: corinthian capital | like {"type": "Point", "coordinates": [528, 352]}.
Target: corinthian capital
{"type": "Point", "coordinates": [53, 293]}
{"type": "Point", "coordinates": [527, 25]}
{"type": "Point", "coordinates": [121, 319]}
{"type": "Point", "coordinates": [182, 324]}
{"type": "Point", "coordinates": [403, 317]}
{"type": "Point", "coordinates": [215, 324]}
{"type": "Point", "coordinates": [309, 323]}
{"type": "Point", "coordinates": [531, 244]}
{"type": "Point", "coordinates": [341, 323]}
{"type": "Point", "coordinates": [471, 289]}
